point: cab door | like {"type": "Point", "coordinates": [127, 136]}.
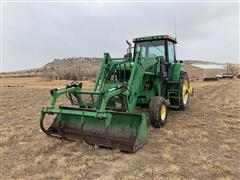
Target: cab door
{"type": "Point", "coordinates": [171, 56]}
{"type": "Point", "coordinates": [167, 64]}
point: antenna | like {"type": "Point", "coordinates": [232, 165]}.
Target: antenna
{"type": "Point", "coordinates": [175, 27]}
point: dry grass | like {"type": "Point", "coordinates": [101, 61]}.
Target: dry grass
{"type": "Point", "coordinates": [202, 142]}
{"type": "Point", "coordinates": [38, 82]}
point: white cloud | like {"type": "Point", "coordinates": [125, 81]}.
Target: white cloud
{"type": "Point", "coordinates": [36, 33]}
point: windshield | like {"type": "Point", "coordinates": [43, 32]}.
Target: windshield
{"type": "Point", "coordinates": [151, 48]}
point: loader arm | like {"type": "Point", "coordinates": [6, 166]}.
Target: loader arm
{"type": "Point", "coordinates": [102, 73]}
{"type": "Point", "coordinates": [139, 69]}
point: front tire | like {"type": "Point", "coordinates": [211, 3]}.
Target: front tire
{"type": "Point", "coordinates": [158, 112]}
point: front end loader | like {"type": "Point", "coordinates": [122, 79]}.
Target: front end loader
{"type": "Point", "coordinates": [107, 115]}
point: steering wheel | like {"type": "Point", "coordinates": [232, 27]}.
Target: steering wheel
{"type": "Point", "coordinates": [154, 55]}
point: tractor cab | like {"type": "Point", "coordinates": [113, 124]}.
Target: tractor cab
{"type": "Point", "coordinates": [160, 47]}
{"type": "Point", "coordinates": [156, 46]}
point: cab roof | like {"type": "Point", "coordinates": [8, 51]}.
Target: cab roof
{"type": "Point", "coordinates": [157, 37]}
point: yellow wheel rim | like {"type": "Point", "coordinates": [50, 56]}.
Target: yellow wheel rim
{"type": "Point", "coordinates": [163, 112]}
{"type": "Point", "coordinates": [185, 91]}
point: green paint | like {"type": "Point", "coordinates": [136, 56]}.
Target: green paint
{"type": "Point", "coordinates": [121, 84]}
{"type": "Point", "coordinates": [175, 71]}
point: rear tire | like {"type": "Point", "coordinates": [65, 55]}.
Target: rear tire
{"type": "Point", "coordinates": [184, 91]}
{"type": "Point", "coordinates": [158, 112]}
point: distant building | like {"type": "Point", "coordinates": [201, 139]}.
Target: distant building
{"type": "Point", "coordinates": [199, 71]}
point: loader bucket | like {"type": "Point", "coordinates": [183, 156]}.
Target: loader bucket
{"type": "Point", "coordinates": [119, 130]}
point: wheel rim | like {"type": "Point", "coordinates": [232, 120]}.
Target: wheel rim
{"type": "Point", "coordinates": [185, 91]}
{"type": "Point", "coordinates": [163, 112]}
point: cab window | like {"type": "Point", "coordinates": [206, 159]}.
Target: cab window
{"type": "Point", "coordinates": [150, 49]}
{"type": "Point", "coordinates": [171, 55]}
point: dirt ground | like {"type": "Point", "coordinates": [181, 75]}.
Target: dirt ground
{"type": "Point", "coordinates": [202, 142]}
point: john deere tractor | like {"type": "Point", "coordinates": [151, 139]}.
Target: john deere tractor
{"type": "Point", "coordinates": [148, 80]}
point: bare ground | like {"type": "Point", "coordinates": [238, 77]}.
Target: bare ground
{"type": "Point", "coordinates": [202, 142]}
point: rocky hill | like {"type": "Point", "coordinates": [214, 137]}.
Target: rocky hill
{"type": "Point", "coordinates": [80, 68]}
{"type": "Point", "coordinates": [66, 68]}
{"type": "Point", "coordinates": [188, 62]}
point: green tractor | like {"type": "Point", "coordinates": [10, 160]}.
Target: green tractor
{"type": "Point", "coordinates": [150, 77]}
